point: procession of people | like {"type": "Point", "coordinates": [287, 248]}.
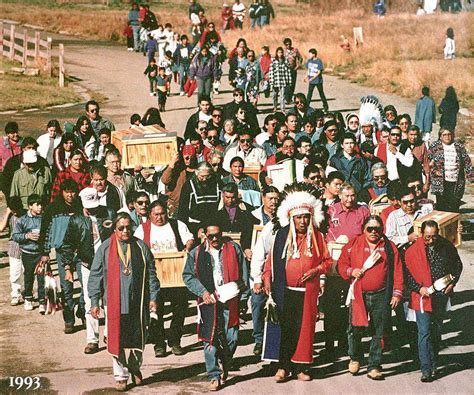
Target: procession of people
{"type": "Point", "coordinates": [360, 187]}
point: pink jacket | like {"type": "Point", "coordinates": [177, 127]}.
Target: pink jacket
{"type": "Point", "coordinates": [6, 151]}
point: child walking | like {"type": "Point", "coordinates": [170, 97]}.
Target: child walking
{"type": "Point", "coordinates": [151, 72]}
{"type": "Point", "coordinates": [162, 88]}
{"type": "Point", "coordinates": [128, 33]}
{"type": "Point", "coordinates": [14, 212]}
{"type": "Point", "coordinates": [26, 233]}
{"type": "Point", "coordinates": [167, 64]}
{"type": "Point", "coordinates": [314, 77]}
{"type": "Point", "coordinates": [449, 45]}
{"type": "Point", "coordinates": [151, 47]}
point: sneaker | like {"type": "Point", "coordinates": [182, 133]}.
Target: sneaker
{"type": "Point", "coordinates": [152, 94]}
{"type": "Point", "coordinates": [177, 350]}
{"type": "Point", "coordinates": [28, 305]}
{"type": "Point", "coordinates": [92, 348]}
{"type": "Point", "coordinates": [42, 309]}
{"type": "Point", "coordinates": [214, 385]}
{"type": "Point", "coordinates": [354, 367]}
{"type": "Point", "coordinates": [68, 328]}
{"type": "Point", "coordinates": [181, 93]}
{"type": "Point", "coordinates": [160, 352]}
{"type": "Point", "coordinates": [375, 374]}
{"type": "Point", "coordinates": [16, 300]}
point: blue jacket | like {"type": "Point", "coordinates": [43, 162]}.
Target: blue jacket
{"type": "Point", "coordinates": [425, 114]}
{"type": "Point", "coordinates": [24, 225]}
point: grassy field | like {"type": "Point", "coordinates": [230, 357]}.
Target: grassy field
{"type": "Point", "coordinates": [21, 92]}
{"type": "Point", "coordinates": [401, 52]}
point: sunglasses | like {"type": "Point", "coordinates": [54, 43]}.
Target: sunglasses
{"type": "Point", "coordinates": [238, 95]}
{"type": "Point", "coordinates": [299, 102]}
{"type": "Point", "coordinates": [416, 187]}
{"type": "Point", "coordinates": [217, 115]}
{"type": "Point", "coordinates": [215, 164]}
{"type": "Point", "coordinates": [202, 129]}
{"type": "Point", "coordinates": [315, 178]}
{"type": "Point", "coordinates": [395, 134]}
{"type": "Point", "coordinates": [122, 228]}
{"type": "Point", "coordinates": [142, 202]}
{"type": "Point", "coordinates": [212, 137]}
{"type": "Point", "coordinates": [94, 110]}
{"type": "Point", "coordinates": [380, 177]}
{"type": "Point", "coordinates": [187, 157]}
{"type": "Point", "coordinates": [331, 130]}
{"type": "Point", "coordinates": [245, 140]}
{"type": "Point", "coordinates": [372, 229]}
{"type": "Point", "coordinates": [411, 201]}
{"type": "Point", "coordinates": [212, 236]}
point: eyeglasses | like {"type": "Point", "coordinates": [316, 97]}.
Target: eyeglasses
{"type": "Point", "coordinates": [215, 164]}
{"type": "Point", "coordinates": [331, 130]}
{"type": "Point", "coordinates": [94, 110]}
{"type": "Point", "coordinates": [406, 202]}
{"type": "Point", "coordinates": [299, 102]}
{"type": "Point", "coordinates": [212, 236]}
{"type": "Point", "coordinates": [380, 177]}
{"type": "Point", "coordinates": [123, 227]}
{"type": "Point", "coordinates": [212, 137]}
{"type": "Point", "coordinates": [187, 157]}
{"type": "Point", "coordinates": [142, 202]}
{"type": "Point", "coordinates": [238, 95]}
{"type": "Point", "coordinates": [245, 140]}
{"type": "Point", "coordinates": [202, 129]}
{"type": "Point", "coordinates": [217, 115]}
{"type": "Point", "coordinates": [315, 178]}
{"type": "Point", "coordinates": [395, 134]}
{"type": "Point", "coordinates": [376, 229]}
{"type": "Point", "coordinates": [416, 187]}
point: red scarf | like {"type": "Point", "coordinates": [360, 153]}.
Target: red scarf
{"type": "Point", "coordinates": [382, 152]}
{"type": "Point", "coordinates": [419, 267]}
{"type": "Point", "coordinates": [231, 273]}
{"type": "Point", "coordinates": [113, 299]}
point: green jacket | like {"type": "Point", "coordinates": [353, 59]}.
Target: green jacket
{"type": "Point", "coordinates": [25, 183]}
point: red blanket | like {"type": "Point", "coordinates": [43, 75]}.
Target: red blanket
{"type": "Point", "coordinates": [113, 299]}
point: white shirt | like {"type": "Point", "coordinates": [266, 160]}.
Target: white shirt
{"type": "Point", "coordinates": [162, 238]}
{"type": "Point", "coordinates": [253, 155]}
{"type": "Point", "coordinates": [405, 159]}
{"type": "Point", "coordinates": [204, 117]}
{"type": "Point", "coordinates": [261, 138]}
{"type": "Point", "coordinates": [451, 170]}
{"type": "Point", "coordinates": [95, 233]}
{"type": "Point", "coordinates": [260, 252]}
{"type": "Point", "coordinates": [217, 268]}
{"type": "Point", "coordinates": [238, 11]}
{"type": "Point", "coordinates": [399, 224]}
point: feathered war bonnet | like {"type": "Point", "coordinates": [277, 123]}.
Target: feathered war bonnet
{"type": "Point", "coordinates": [371, 112]}
{"type": "Point", "coordinates": [299, 199]}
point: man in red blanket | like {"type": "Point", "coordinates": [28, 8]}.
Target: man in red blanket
{"type": "Point", "coordinates": [431, 258]}
{"type": "Point", "coordinates": [373, 265]}
{"type": "Point", "coordinates": [124, 266]}
{"type": "Point", "coordinates": [291, 276]}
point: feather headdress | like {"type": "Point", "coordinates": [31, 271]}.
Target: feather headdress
{"type": "Point", "coordinates": [371, 112]}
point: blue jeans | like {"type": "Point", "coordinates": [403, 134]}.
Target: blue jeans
{"type": "Point", "coordinates": [29, 263]}
{"type": "Point", "coordinates": [136, 37]}
{"type": "Point", "coordinates": [264, 20]}
{"type": "Point", "coordinates": [429, 332]}
{"type": "Point", "coordinates": [204, 86]}
{"type": "Point", "coordinates": [67, 290]}
{"type": "Point", "coordinates": [309, 96]}
{"type": "Point", "coordinates": [183, 76]}
{"type": "Point", "coordinates": [226, 340]}
{"type": "Point", "coordinates": [279, 98]}
{"type": "Point", "coordinates": [258, 305]}
{"type": "Point", "coordinates": [374, 304]}
{"type": "Point", "coordinates": [254, 22]}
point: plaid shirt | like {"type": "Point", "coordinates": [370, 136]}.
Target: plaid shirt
{"type": "Point", "coordinates": [294, 57]}
{"type": "Point", "coordinates": [279, 74]}
{"type": "Point", "coordinates": [83, 180]}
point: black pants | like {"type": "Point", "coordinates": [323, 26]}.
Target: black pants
{"type": "Point", "coordinates": [291, 321]}
{"type": "Point", "coordinates": [321, 94]}
{"type": "Point", "coordinates": [447, 201]}
{"type": "Point", "coordinates": [29, 264]}
{"type": "Point", "coordinates": [290, 90]}
{"type": "Point", "coordinates": [178, 297]}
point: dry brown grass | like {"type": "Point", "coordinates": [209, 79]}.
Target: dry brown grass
{"type": "Point", "coordinates": [401, 52]}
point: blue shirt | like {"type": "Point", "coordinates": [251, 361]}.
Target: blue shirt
{"type": "Point", "coordinates": [313, 66]}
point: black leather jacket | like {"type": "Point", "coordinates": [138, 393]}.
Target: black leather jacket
{"type": "Point", "coordinates": [79, 238]}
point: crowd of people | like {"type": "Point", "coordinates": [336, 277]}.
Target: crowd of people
{"type": "Point", "coordinates": [68, 192]}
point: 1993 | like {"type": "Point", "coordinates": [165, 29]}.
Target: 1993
{"type": "Point", "coordinates": [25, 383]}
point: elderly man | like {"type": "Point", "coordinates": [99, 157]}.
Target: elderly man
{"type": "Point", "coordinates": [246, 149]}
{"type": "Point", "coordinates": [162, 234]}
{"type": "Point", "coordinates": [287, 152]}
{"type": "Point", "coordinates": [372, 264]}
{"type": "Point", "coordinates": [210, 268]}
{"type": "Point", "coordinates": [31, 179]}
{"type": "Point", "coordinates": [291, 275]}
{"type": "Point", "coordinates": [53, 230]}
{"type": "Point", "coordinates": [109, 195]}
{"type": "Point", "coordinates": [97, 121]}
{"type": "Point", "coordinates": [180, 170]}
{"type": "Point", "coordinates": [266, 211]}
{"type": "Point", "coordinates": [379, 184]}
{"type": "Point", "coordinates": [399, 223]}
{"type": "Point", "coordinates": [397, 156]}
{"type": "Point", "coordinates": [200, 197]}
{"type": "Point", "coordinates": [123, 274]}
{"type": "Point", "coordinates": [123, 180]}
{"type": "Point", "coordinates": [347, 216]}
{"type": "Point", "coordinates": [84, 235]}
{"type": "Point", "coordinates": [429, 259]}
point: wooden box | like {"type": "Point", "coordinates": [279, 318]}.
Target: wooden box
{"type": "Point", "coordinates": [253, 170]}
{"type": "Point", "coordinates": [335, 250]}
{"type": "Point", "coordinates": [257, 229]}
{"type": "Point", "coordinates": [376, 209]}
{"type": "Point", "coordinates": [234, 236]}
{"type": "Point", "coordinates": [169, 268]}
{"type": "Point", "coordinates": [448, 225]}
{"type": "Point", "coordinates": [147, 146]}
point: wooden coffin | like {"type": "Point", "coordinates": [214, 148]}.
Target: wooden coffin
{"type": "Point", "coordinates": [448, 225]}
{"type": "Point", "coordinates": [234, 236]}
{"type": "Point", "coordinates": [376, 209]}
{"type": "Point", "coordinates": [253, 170]}
{"type": "Point", "coordinates": [169, 268]}
{"type": "Point", "coordinates": [147, 146]}
{"type": "Point", "coordinates": [257, 229]}
{"type": "Point", "coordinates": [335, 250]}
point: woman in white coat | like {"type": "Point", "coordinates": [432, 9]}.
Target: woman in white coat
{"type": "Point", "coordinates": [49, 141]}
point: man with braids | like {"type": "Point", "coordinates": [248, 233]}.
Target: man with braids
{"type": "Point", "coordinates": [291, 276]}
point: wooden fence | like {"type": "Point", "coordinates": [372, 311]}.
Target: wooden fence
{"type": "Point", "coordinates": [17, 45]}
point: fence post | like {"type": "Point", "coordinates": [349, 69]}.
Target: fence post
{"type": "Point", "coordinates": [61, 65]}
{"type": "Point", "coordinates": [24, 61]}
{"type": "Point", "coordinates": [12, 42]}
{"type": "Point", "coordinates": [49, 64]}
{"type": "Point", "coordinates": [37, 46]}
{"type": "Point", "coordinates": [1, 39]}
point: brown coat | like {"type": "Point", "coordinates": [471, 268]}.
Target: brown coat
{"type": "Point", "coordinates": [174, 180]}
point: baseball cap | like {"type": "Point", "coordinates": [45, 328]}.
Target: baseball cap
{"type": "Point", "coordinates": [89, 198]}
